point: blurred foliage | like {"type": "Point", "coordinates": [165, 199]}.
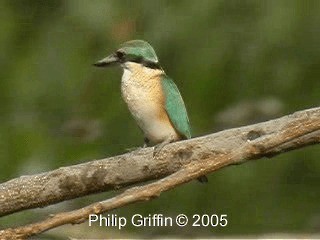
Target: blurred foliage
{"type": "Point", "coordinates": [235, 62]}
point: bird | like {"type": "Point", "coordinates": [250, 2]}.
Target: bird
{"type": "Point", "coordinates": [152, 97]}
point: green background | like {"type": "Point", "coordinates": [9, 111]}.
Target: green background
{"type": "Point", "coordinates": [235, 63]}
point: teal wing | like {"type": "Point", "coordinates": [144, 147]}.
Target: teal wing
{"type": "Point", "coordinates": [175, 107]}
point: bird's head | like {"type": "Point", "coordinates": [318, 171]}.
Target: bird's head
{"type": "Point", "coordinates": [137, 51]}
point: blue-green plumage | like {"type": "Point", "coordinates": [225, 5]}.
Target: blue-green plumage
{"type": "Point", "coordinates": [175, 108]}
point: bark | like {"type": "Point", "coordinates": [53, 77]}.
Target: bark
{"type": "Point", "coordinates": [185, 160]}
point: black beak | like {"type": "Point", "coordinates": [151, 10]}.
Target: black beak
{"type": "Point", "coordinates": [108, 61]}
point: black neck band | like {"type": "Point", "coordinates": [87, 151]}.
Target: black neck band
{"type": "Point", "coordinates": [146, 63]}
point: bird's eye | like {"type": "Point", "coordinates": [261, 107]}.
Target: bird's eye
{"type": "Point", "coordinates": [120, 54]}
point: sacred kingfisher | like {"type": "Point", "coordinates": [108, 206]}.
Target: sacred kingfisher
{"type": "Point", "coordinates": [152, 97]}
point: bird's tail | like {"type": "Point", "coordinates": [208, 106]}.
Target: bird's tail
{"type": "Point", "coordinates": [203, 179]}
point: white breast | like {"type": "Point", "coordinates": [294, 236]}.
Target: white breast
{"type": "Point", "coordinates": [140, 98]}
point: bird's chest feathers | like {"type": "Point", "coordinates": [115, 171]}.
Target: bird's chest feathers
{"type": "Point", "coordinates": [142, 91]}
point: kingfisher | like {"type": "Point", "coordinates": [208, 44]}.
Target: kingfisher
{"type": "Point", "coordinates": [152, 97]}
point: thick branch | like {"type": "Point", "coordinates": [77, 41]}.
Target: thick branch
{"type": "Point", "coordinates": [250, 142]}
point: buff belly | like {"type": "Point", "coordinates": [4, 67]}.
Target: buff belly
{"type": "Point", "coordinates": [143, 97]}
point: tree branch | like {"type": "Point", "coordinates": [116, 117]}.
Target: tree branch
{"type": "Point", "coordinates": [186, 159]}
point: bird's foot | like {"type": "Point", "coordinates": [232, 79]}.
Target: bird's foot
{"type": "Point", "coordinates": [145, 144]}
{"type": "Point", "coordinates": [159, 147]}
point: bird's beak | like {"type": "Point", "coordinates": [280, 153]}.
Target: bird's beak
{"type": "Point", "coordinates": [108, 61]}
